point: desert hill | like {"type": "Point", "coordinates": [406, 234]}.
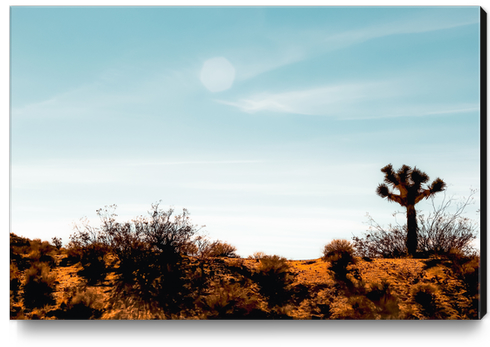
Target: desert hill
{"type": "Point", "coordinates": [51, 283]}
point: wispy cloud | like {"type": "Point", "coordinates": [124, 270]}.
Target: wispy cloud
{"type": "Point", "coordinates": [304, 44]}
{"type": "Point", "coordinates": [116, 91]}
{"type": "Point", "coordinates": [426, 21]}
{"type": "Point", "coordinates": [362, 100]}
{"type": "Point", "coordinates": [332, 100]}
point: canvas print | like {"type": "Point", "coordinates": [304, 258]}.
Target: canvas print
{"type": "Point", "coordinates": [247, 163]}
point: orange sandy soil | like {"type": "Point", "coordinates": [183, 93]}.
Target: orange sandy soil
{"type": "Point", "coordinates": [310, 272]}
{"type": "Point", "coordinates": [400, 273]}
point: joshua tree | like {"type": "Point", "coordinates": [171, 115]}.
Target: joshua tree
{"type": "Point", "coordinates": [408, 182]}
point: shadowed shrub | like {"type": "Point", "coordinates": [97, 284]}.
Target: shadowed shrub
{"type": "Point", "coordinates": [257, 256]}
{"type": "Point", "coordinates": [222, 249]}
{"type": "Point", "coordinates": [353, 307]}
{"type": "Point", "coordinates": [338, 249]}
{"type": "Point", "coordinates": [57, 242]}
{"type": "Point", "coordinates": [38, 286]}
{"type": "Point", "coordinates": [274, 279]}
{"type": "Point", "coordinates": [82, 304]}
{"type": "Point", "coordinates": [25, 252]}
{"type": "Point", "coordinates": [94, 270]}
{"type": "Point", "coordinates": [441, 231]}
{"type": "Point", "coordinates": [41, 251]}
{"type": "Point", "coordinates": [232, 301]}
{"type": "Point", "coordinates": [382, 243]}
{"type": "Point", "coordinates": [386, 302]}
{"type": "Point", "coordinates": [92, 258]}
{"type": "Point", "coordinates": [150, 252]}
{"type": "Point", "coordinates": [15, 280]}
{"type": "Point", "coordinates": [15, 283]}
{"type": "Point", "coordinates": [340, 254]}
{"type": "Point", "coordinates": [429, 302]}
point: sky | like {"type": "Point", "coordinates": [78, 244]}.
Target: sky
{"type": "Point", "coordinates": [270, 125]}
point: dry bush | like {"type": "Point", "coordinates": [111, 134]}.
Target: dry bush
{"type": "Point", "coordinates": [380, 242]}
{"type": "Point", "coordinates": [149, 250]}
{"type": "Point", "coordinates": [15, 283]}
{"type": "Point", "coordinates": [15, 280]}
{"type": "Point", "coordinates": [340, 254]}
{"type": "Point", "coordinates": [257, 256]}
{"type": "Point", "coordinates": [317, 305]}
{"type": "Point", "coordinates": [232, 301]}
{"type": "Point", "coordinates": [274, 279]}
{"type": "Point", "coordinates": [203, 248]}
{"type": "Point", "coordinates": [338, 249]}
{"type": "Point", "coordinates": [82, 304]}
{"type": "Point", "coordinates": [441, 231]}
{"type": "Point", "coordinates": [38, 286]}
{"type": "Point", "coordinates": [385, 300]}
{"type": "Point", "coordinates": [222, 249]}
{"type": "Point", "coordinates": [353, 307]}
{"type": "Point", "coordinates": [57, 242]}
{"type": "Point", "coordinates": [429, 302]}
{"type": "Point", "coordinates": [90, 254]}
{"type": "Point", "coordinates": [25, 252]}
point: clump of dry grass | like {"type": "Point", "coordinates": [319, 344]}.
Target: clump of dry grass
{"type": "Point", "coordinates": [38, 286]}
{"type": "Point", "coordinates": [340, 254]}
{"type": "Point", "coordinates": [274, 278]}
{"type": "Point", "coordinates": [232, 301]}
{"type": "Point", "coordinates": [81, 303]}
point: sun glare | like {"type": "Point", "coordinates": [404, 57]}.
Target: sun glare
{"type": "Point", "coordinates": [217, 74]}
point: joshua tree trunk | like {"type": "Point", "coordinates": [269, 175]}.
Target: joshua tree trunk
{"type": "Point", "coordinates": [412, 230]}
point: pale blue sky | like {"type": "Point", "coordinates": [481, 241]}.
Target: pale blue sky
{"type": "Point", "coordinates": [269, 124]}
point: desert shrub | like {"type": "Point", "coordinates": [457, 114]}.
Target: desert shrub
{"type": "Point", "coordinates": [146, 247]}
{"type": "Point", "coordinates": [440, 232]}
{"type": "Point", "coordinates": [15, 280]}
{"type": "Point", "coordinates": [338, 249]}
{"type": "Point", "coordinates": [274, 279]}
{"type": "Point", "coordinates": [82, 304]}
{"type": "Point", "coordinates": [94, 264]}
{"type": "Point", "coordinates": [73, 255]}
{"type": "Point", "coordinates": [19, 246]}
{"type": "Point", "coordinates": [150, 253]}
{"type": "Point", "coordinates": [353, 307]}
{"type": "Point", "coordinates": [257, 255]}
{"type": "Point", "coordinates": [380, 242]}
{"type": "Point", "coordinates": [464, 286]}
{"type": "Point", "coordinates": [26, 252]}
{"type": "Point", "coordinates": [317, 306]}
{"type": "Point", "coordinates": [190, 249]}
{"type": "Point", "coordinates": [222, 249]}
{"type": "Point", "coordinates": [38, 286]}
{"type": "Point", "coordinates": [57, 242]}
{"type": "Point", "coordinates": [340, 254]}
{"type": "Point", "coordinates": [88, 246]}
{"type": "Point", "coordinates": [362, 300]}
{"type": "Point", "coordinates": [18, 241]}
{"type": "Point", "coordinates": [385, 301]}
{"type": "Point", "coordinates": [430, 303]}
{"type": "Point", "coordinates": [203, 248]}
{"type": "Point", "coordinates": [232, 301]}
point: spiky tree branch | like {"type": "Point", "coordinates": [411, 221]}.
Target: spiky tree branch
{"type": "Point", "coordinates": [408, 182]}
